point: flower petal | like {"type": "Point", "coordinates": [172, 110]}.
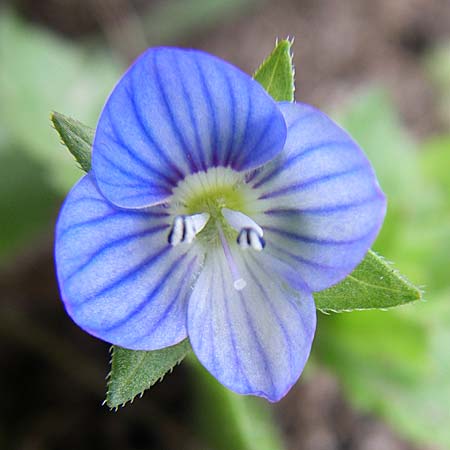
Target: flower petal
{"type": "Point", "coordinates": [255, 340]}
{"type": "Point", "coordinates": [120, 280]}
{"type": "Point", "coordinates": [177, 112]}
{"type": "Point", "coordinates": [320, 204]}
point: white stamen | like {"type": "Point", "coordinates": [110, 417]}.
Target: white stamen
{"type": "Point", "coordinates": [185, 228]}
{"type": "Point", "coordinates": [256, 242]}
{"type": "Point", "coordinates": [189, 231]}
{"type": "Point", "coordinates": [239, 221]}
{"type": "Point", "coordinates": [176, 233]}
{"type": "Point", "coordinates": [199, 221]}
{"type": "Point", "coordinates": [248, 237]}
{"type": "Point", "coordinates": [242, 239]}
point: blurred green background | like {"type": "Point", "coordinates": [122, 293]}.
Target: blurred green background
{"type": "Point", "coordinates": [376, 380]}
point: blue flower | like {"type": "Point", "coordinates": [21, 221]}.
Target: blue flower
{"type": "Point", "coordinates": [213, 212]}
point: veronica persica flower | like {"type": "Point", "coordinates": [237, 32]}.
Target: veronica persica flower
{"type": "Point", "coordinates": [213, 212]}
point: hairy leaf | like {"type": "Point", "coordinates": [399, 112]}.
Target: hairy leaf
{"type": "Point", "coordinates": [132, 372]}
{"type": "Point", "coordinates": [276, 73]}
{"type": "Point", "coordinates": [374, 284]}
{"type": "Point", "coordinates": [77, 138]}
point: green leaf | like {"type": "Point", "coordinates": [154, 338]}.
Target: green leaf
{"type": "Point", "coordinates": [132, 372]}
{"type": "Point", "coordinates": [276, 73]}
{"type": "Point", "coordinates": [77, 138]}
{"type": "Point", "coordinates": [374, 284]}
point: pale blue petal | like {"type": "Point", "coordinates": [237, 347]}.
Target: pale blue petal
{"type": "Point", "coordinates": [319, 203]}
{"type": "Point", "coordinates": [177, 112]}
{"type": "Point", "coordinates": [254, 341]}
{"type": "Point", "coordinates": [119, 278]}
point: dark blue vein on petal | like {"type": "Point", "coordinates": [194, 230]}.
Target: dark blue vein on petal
{"type": "Point", "coordinates": [251, 327]}
{"type": "Point", "coordinates": [296, 157]}
{"type": "Point", "coordinates": [177, 172]}
{"type": "Point", "coordinates": [192, 116]}
{"type": "Point", "coordinates": [230, 161]}
{"type": "Point", "coordinates": [231, 142]}
{"type": "Point", "coordinates": [252, 174]}
{"type": "Point", "coordinates": [124, 171]}
{"type": "Point", "coordinates": [92, 221]}
{"type": "Point", "coordinates": [254, 151]}
{"type": "Point", "coordinates": [124, 185]}
{"type": "Point", "coordinates": [76, 201]}
{"type": "Point", "coordinates": [187, 275]}
{"type": "Point", "coordinates": [321, 209]}
{"type": "Point", "coordinates": [229, 323]}
{"type": "Point", "coordinates": [113, 244]}
{"type": "Point", "coordinates": [310, 240]}
{"type": "Point", "coordinates": [127, 276]}
{"type": "Point", "coordinates": [160, 191]}
{"type": "Point", "coordinates": [311, 182]}
{"type": "Point", "coordinates": [132, 154]}
{"type": "Point", "coordinates": [211, 310]}
{"type": "Point", "coordinates": [140, 306]}
{"type": "Point", "coordinates": [304, 260]}
{"type": "Point", "coordinates": [193, 317]}
{"type": "Point", "coordinates": [209, 306]}
{"type": "Point", "coordinates": [163, 95]}
{"type": "Point", "coordinates": [208, 99]}
{"type": "Point", "coordinates": [287, 338]}
{"type": "Point", "coordinates": [302, 118]}
{"type": "Point", "coordinates": [98, 220]}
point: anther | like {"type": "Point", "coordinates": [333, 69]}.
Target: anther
{"type": "Point", "coordinates": [249, 237]}
{"type": "Point", "coordinates": [250, 234]}
{"type": "Point", "coordinates": [185, 228]}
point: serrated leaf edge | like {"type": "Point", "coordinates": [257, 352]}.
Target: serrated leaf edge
{"type": "Point", "coordinates": [390, 265]}
{"type": "Point", "coordinates": [54, 121]}
{"type": "Point", "coordinates": [139, 394]}
{"type": "Point", "coordinates": [290, 42]}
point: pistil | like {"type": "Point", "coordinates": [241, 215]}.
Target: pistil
{"type": "Point", "coordinates": [238, 282]}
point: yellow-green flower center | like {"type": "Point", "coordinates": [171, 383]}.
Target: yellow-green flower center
{"type": "Point", "coordinates": [210, 192]}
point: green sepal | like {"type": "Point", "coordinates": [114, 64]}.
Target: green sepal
{"type": "Point", "coordinates": [276, 73]}
{"type": "Point", "coordinates": [77, 137]}
{"type": "Point", "coordinates": [134, 371]}
{"type": "Point", "coordinates": [374, 284]}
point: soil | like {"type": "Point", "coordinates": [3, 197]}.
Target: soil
{"type": "Point", "coordinates": [55, 373]}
